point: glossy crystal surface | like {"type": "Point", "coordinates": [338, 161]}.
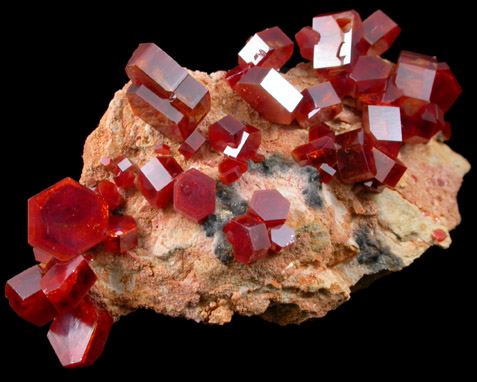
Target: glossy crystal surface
{"type": "Point", "coordinates": [282, 237]}
{"type": "Point", "coordinates": [121, 235]}
{"type": "Point", "coordinates": [109, 192]}
{"type": "Point", "coordinates": [67, 282]}
{"type": "Point", "coordinates": [306, 39]}
{"type": "Point", "coordinates": [321, 150]}
{"type": "Point", "coordinates": [249, 144]}
{"type": "Point", "coordinates": [26, 298]}
{"type": "Point", "coordinates": [226, 132]}
{"type": "Point", "coordinates": [379, 33]}
{"type": "Point", "coordinates": [231, 170]}
{"type": "Point", "coordinates": [194, 195]}
{"type": "Point", "coordinates": [78, 336]}
{"type": "Point", "coordinates": [269, 206]}
{"type": "Point", "coordinates": [66, 219]}
{"type": "Point", "coordinates": [192, 144]}
{"type": "Point", "coordinates": [369, 75]}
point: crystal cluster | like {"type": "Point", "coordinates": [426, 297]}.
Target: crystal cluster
{"type": "Point", "coordinates": [262, 228]}
{"type": "Point", "coordinates": [164, 94]}
{"type": "Point", "coordinates": [402, 103]}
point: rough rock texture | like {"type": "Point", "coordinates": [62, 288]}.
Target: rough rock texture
{"type": "Point", "coordinates": [181, 268]}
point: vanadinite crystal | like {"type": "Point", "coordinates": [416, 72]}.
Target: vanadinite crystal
{"type": "Point", "coordinates": [230, 170]}
{"type": "Point", "coordinates": [270, 94]}
{"type": "Point", "coordinates": [306, 39]}
{"type": "Point", "coordinates": [316, 152]}
{"type": "Point", "coordinates": [269, 48]}
{"type": "Point", "coordinates": [41, 256]}
{"type": "Point", "coordinates": [320, 103]}
{"type": "Point", "coordinates": [282, 237]}
{"type": "Point", "coordinates": [379, 33]}
{"type": "Point", "coordinates": [269, 206]}
{"type": "Point", "coordinates": [162, 149]}
{"type": "Point", "coordinates": [123, 171]}
{"type": "Point", "coordinates": [226, 132]}
{"type": "Point", "coordinates": [66, 219]}
{"type": "Point", "coordinates": [110, 193]}
{"type": "Point", "coordinates": [67, 282]}
{"type": "Point", "coordinates": [156, 180]}
{"type": "Point", "coordinates": [79, 335]}
{"type": "Point", "coordinates": [369, 75]}
{"type": "Point", "coordinates": [248, 237]}
{"type": "Point", "coordinates": [194, 195]}
{"type": "Point", "coordinates": [164, 94]}
{"type": "Point", "coordinates": [121, 235]}
{"type": "Point", "coordinates": [248, 146]}
{"type": "Point", "coordinates": [27, 299]}
{"type": "Point", "coordinates": [192, 144]}
{"type": "Point", "coordinates": [389, 171]}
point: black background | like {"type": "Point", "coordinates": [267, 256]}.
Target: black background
{"type": "Point", "coordinates": [61, 67]}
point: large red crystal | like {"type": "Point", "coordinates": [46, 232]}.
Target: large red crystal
{"type": "Point", "coordinates": [270, 94]}
{"type": "Point", "coordinates": [384, 125]}
{"type": "Point", "coordinates": [192, 99]}
{"type": "Point", "coordinates": [388, 171]}
{"type": "Point", "coordinates": [194, 195]}
{"type": "Point", "coordinates": [121, 235]}
{"type": "Point", "coordinates": [156, 180]}
{"type": "Point", "coordinates": [446, 89]}
{"type": "Point", "coordinates": [248, 237]}
{"type": "Point", "coordinates": [67, 282]}
{"type": "Point", "coordinates": [320, 103]}
{"type": "Point", "coordinates": [269, 206]}
{"type": "Point", "coordinates": [66, 219]}
{"type": "Point", "coordinates": [379, 33]}
{"type": "Point", "coordinates": [79, 335]}
{"type": "Point", "coordinates": [369, 75]}
{"type": "Point", "coordinates": [269, 48]}
{"type": "Point", "coordinates": [26, 298]}
{"type": "Point", "coordinates": [226, 132]}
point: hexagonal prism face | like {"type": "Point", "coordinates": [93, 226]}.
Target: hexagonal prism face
{"type": "Point", "coordinates": [269, 206]}
{"type": "Point", "coordinates": [66, 219]}
{"type": "Point", "coordinates": [194, 195]}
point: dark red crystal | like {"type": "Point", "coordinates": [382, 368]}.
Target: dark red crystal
{"type": "Point", "coordinates": [109, 192]}
{"type": "Point", "coordinates": [269, 206]}
{"type": "Point", "coordinates": [321, 150]}
{"type": "Point", "coordinates": [226, 132]}
{"type": "Point", "coordinates": [379, 33]}
{"type": "Point", "coordinates": [249, 144]}
{"type": "Point", "coordinates": [306, 39]}
{"type": "Point", "coordinates": [369, 75]}
{"type": "Point", "coordinates": [231, 170]}
{"type": "Point", "coordinates": [192, 144]}
{"type": "Point", "coordinates": [162, 149]}
{"type": "Point", "coordinates": [121, 235]}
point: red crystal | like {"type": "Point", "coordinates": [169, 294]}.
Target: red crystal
{"type": "Point", "coordinates": [79, 335]}
{"type": "Point", "coordinates": [446, 89]}
{"type": "Point", "coordinates": [192, 144]}
{"type": "Point", "coordinates": [340, 38]}
{"type": "Point", "coordinates": [26, 298]}
{"type": "Point", "coordinates": [379, 33]}
{"type": "Point", "coordinates": [234, 75]}
{"type": "Point", "coordinates": [156, 180]}
{"type": "Point", "coordinates": [121, 235]}
{"type": "Point", "coordinates": [270, 94]}
{"type": "Point", "coordinates": [67, 282]}
{"type": "Point", "coordinates": [123, 171]}
{"type": "Point", "coordinates": [388, 171]}
{"type": "Point", "coordinates": [320, 103]}
{"type": "Point", "coordinates": [439, 234]}
{"type": "Point", "coordinates": [355, 159]}
{"type": "Point", "coordinates": [109, 192]}
{"type": "Point", "coordinates": [248, 146]}
{"type": "Point", "coordinates": [159, 113]}
{"type": "Point", "coordinates": [192, 99]}
{"type": "Point", "coordinates": [318, 131]}
{"type": "Point", "coordinates": [306, 39]}
{"type": "Point", "coordinates": [425, 126]}
{"type": "Point", "coordinates": [384, 125]}
{"type": "Point", "coordinates": [41, 256]}
{"type": "Point", "coordinates": [149, 65]}
{"type": "Point", "coordinates": [248, 237]}
{"type": "Point", "coordinates": [194, 195]}
{"type": "Point", "coordinates": [269, 48]}
{"type": "Point", "coordinates": [230, 170]}
{"type": "Point", "coordinates": [369, 75]}
{"type": "Point", "coordinates": [226, 132]}
{"type": "Point", "coordinates": [281, 237]}
{"type": "Point", "coordinates": [321, 150]}
{"type": "Point", "coordinates": [66, 219]}
{"type": "Point", "coordinates": [162, 149]}
{"type": "Point", "coordinates": [326, 173]}
{"type": "Point", "coordinates": [269, 206]}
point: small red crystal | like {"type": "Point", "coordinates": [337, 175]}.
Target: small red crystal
{"type": "Point", "coordinates": [194, 195]}
{"type": "Point", "coordinates": [422, 127]}
{"type": "Point", "coordinates": [446, 89]}
{"type": "Point", "coordinates": [439, 234]}
{"type": "Point", "coordinates": [162, 149]}
{"type": "Point", "coordinates": [156, 180]}
{"type": "Point", "coordinates": [248, 146]}
{"type": "Point", "coordinates": [123, 171]}
{"type": "Point", "coordinates": [355, 160]}
{"type": "Point", "coordinates": [230, 170]}
{"type": "Point", "coordinates": [269, 48]}
{"type": "Point", "coordinates": [79, 335]}
{"type": "Point", "coordinates": [121, 235]}
{"type": "Point", "coordinates": [41, 256]}
{"type": "Point", "coordinates": [235, 74]}
{"type": "Point", "coordinates": [388, 171]}
{"type": "Point", "coordinates": [66, 219]}
{"type": "Point", "coordinates": [226, 132]}
{"type": "Point", "coordinates": [270, 94]}
{"type": "Point", "coordinates": [320, 103]}
{"type": "Point", "coordinates": [248, 237]}
{"type": "Point", "coordinates": [321, 150]}
{"type": "Point", "coordinates": [67, 282]}
{"type": "Point", "coordinates": [26, 298]}
{"type": "Point", "coordinates": [109, 191]}
{"type": "Point", "coordinates": [369, 75]}
{"type": "Point", "coordinates": [318, 131]}
{"type": "Point", "coordinates": [326, 173]}
{"type": "Point", "coordinates": [192, 99]}
{"type": "Point", "coordinates": [306, 39]}
{"type": "Point", "coordinates": [149, 65]}
{"type": "Point", "coordinates": [379, 33]}
{"type": "Point", "coordinates": [282, 237]}
{"type": "Point", "coordinates": [192, 144]}
{"type": "Point", "coordinates": [269, 206]}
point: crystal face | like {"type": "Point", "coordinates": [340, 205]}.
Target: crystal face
{"type": "Point", "coordinates": [66, 219]}
{"type": "Point", "coordinates": [369, 75]}
{"type": "Point", "coordinates": [269, 48]}
{"type": "Point", "coordinates": [282, 237]}
{"type": "Point", "coordinates": [230, 170]}
{"type": "Point", "coordinates": [379, 33]}
{"type": "Point", "coordinates": [156, 180]}
{"type": "Point", "coordinates": [194, 195]}
{"type": "Point", "coordinates": [121, 235]}
{"type": "Point", "coordinates": [248, 146]}
{"type": "Point", "coordinates": [26, 298]}
{"type": "Point", "coordinates": [226, 132]}
{"type": "Point", "coordinates": [306, 39]}
{"type": "Point", "coordinates": [271, 95]}
{"type": "Point", "coordinates": [321, 150]}
{"type": "Point", "coordinates": [78, 336]}
{"type": "Point", "coordinates": [192, 144]}
{"type": "Point", "coordinates": [67, 282]}
{"type": "Point", "coordinates": [270, 207]}
{"type": "Point", "coordinates": [110, 194]}
{"type": "Point", "coordinates": [248, 237]}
